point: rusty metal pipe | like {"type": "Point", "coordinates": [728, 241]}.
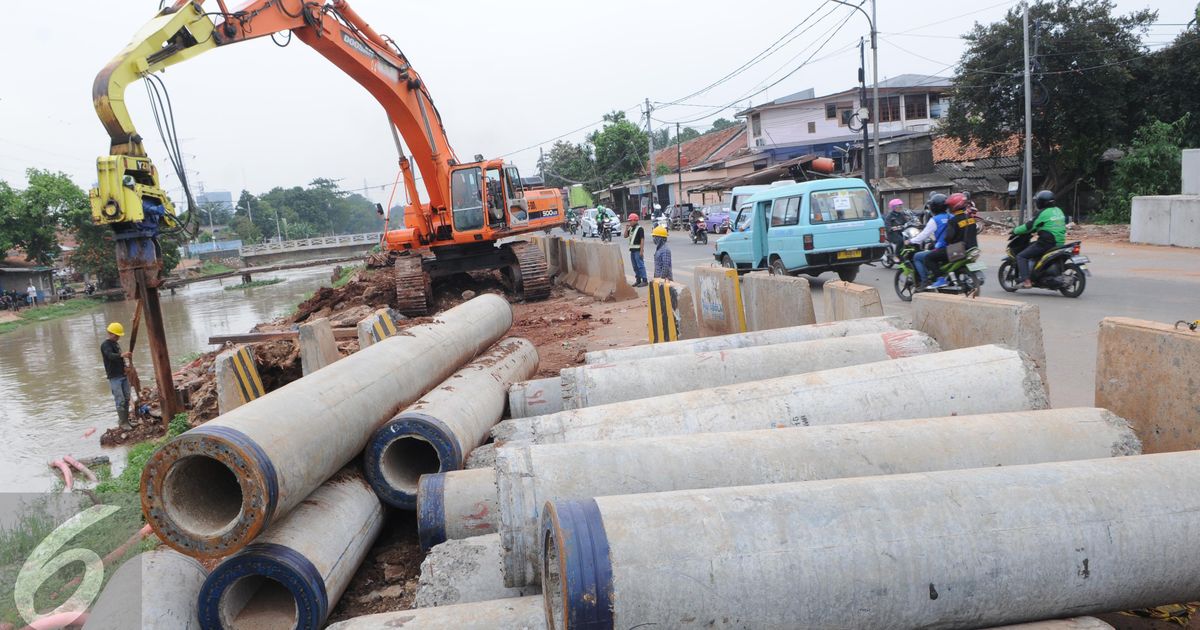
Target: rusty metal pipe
{"type": "Point", "coordinates": [212, 490]}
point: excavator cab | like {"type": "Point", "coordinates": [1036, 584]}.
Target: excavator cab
{"type": "Point", "coordinates": [496, 199]}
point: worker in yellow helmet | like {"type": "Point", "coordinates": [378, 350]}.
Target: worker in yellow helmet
{"type": "Point", "coordinates": [662, 253]}
{"type": "Point", "coordinates": [114, 369]}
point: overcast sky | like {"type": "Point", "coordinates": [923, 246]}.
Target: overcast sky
{"type": "Point", "coordinates": [505, 76]}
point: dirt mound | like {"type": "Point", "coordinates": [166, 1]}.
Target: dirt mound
{"type": "Point", "coordinates": [556, 327]}
{"type": "Point", "coordinates": [373, 288]}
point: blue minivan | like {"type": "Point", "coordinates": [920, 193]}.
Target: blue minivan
{"type": "Point", "coordinates": [807, 227]}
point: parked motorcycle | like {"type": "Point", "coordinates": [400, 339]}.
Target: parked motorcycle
{"type": "Point", "coordinates": [699, 232]}
{"type": "Point", "coordinates": [610, 226]}
{"type": "Point", "coordinates": [1061, 269]}
{"type": "Point", "coordinates": [963, 276]}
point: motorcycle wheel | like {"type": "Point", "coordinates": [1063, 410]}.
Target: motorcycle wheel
{"type": "Point", "coordinates": [704, 238]}
{"type": "Point", "coordinates": [1008, 277]}
{"type": "Point", "coordinates": [1078, 279]}
{"type": "Point", "coordinates": [888, 259]}
{"type": "Point", "coordinates": [905, 284]}
{"type": "Point", "coordinates": [968, 282]}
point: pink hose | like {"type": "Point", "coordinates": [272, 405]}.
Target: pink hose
{"type": "Point", "coordinates": [87, 472]}
{"type": "Point", "coordinates": [58, 620]}
{"type": "Point", "coordinates": [88, 433]}
{"type": "Point", "coordinates": [66, 473]}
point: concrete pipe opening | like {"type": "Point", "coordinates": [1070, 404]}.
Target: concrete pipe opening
{"type": "Point", "coordinates": [405, 459]}
{"type": "Point", "coordinates": [202, 496]}
{"type": "Point", "coordinates": [258, 602]}
{"type": "Point", "coordinates": [552, 583]}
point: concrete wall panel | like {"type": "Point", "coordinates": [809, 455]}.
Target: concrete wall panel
{"type": "Point", "coordinates": [846, 300]}
{"type": "Point", "coordinates": [958, 322]}
{"type": "Point", "coordinates": [776, 301]}
{"type": "Point", "coordinates": [718, 301]}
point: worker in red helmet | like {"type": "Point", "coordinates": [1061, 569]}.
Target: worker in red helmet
{"type": "Point", "coordinates": [637, 245]}
{"type": "Point", "coordinates": [960, 228]}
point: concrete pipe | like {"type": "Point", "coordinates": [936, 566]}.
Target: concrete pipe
{"type": "Point", "coordinates": [462, 571]}
{"type": "Point", "coordinates": [984, 379]}
{"type": "Point", "coordinates": [792, 334]}
{"type": "Point", "coordinates": [210, 491]}
{"type": "Point", "coordinates": [294, 574]}
{"type": "Point", "coordinates": [600, 384]}
{"type": "Point", "coordinates": [456, 504]}
{"type": "Point", "coordinates": [527, 476]}
{"type": "Point", "coordinates": [951, 549]}
{"type": "Point", "coordinates": [438, 431]}
{"type": "Point", "coordinates": [520, 613]}
{"type": "Point", "coordinates": [535, 398]}
{"type": "Point", "coordinates": [1074, 623]}
{"type": "Point", "coordinates": [135, 597]}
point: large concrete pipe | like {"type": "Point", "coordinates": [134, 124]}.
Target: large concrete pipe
{"type": "Point", "coordinates": [792, 334]}
{"type": "Point", "coordinates": [155, 590]}
{"type": "Point", "coordinates": [519, 613]}
{"type": "Point", "coordinates": [210, 491]}
{"type": "Point", "coordinates": [527, 476]}
{"type": "Point", "coordinates": [535, 398]}
{"type": "Point", "coordinates": [984, 379]}
{"type": "Point", "coordinates": [462, 571]}
{"type": "Point", "coordinates": [1074, 623]}
{"type": "Point", "coordinates": [294, 574]}
{"type": "Point", "coordinates": [948, 549]}
{"type": "Point", "coordinates": [456, 504]}
{"type": "Point", "coordinates": [437, 432]}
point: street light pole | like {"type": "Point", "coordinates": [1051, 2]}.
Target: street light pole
{"type": "Point", "coordinates": [1027, 184]}
{"type": "Point", "coordinates": [278, 236]}
{"type": "Point", "coordinates": [875, 88]}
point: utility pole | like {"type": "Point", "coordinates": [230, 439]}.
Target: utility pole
{"type": "Point", "coordinates": [278, 236]}
{"type": "Point", "coordinates": [862, 98]}
{"type": "Point", "coordinates": [875, 89]}
{"type": "Point", "coordinates": [1027, 183]}
{"type": "Point", "coordinates": [678, 169]}
{"type": "Point", "coordinates": [650, 169]}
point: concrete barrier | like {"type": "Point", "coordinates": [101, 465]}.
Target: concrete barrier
{"type": "Point", "coordinates": [747, 340]}
{"type": "Point", "coordinates": [951, 549]}
{"type": "Point", "coordinates": [1166, 220]}
{"type": "Point", "coordinates": [1191, 172]}
{"type": "Point", "coordinates": [463, 571]}
{"type": "Point", "coordinates": [570, 273]}
{"type": "Point", "coordinates": [518, 613]}
{"type": "Point", "coordinates": [776, 301]}
{"type": "Point", "coordinates": [672, 312]}
{"type": "Point", "coordinates": [238, 381]}
{"type": "Point", "coordinates": [958, 322]}
{"type": "Point", "coordinates": [598, 270]}
{"type": "Point", "coordinates": [719, 308]}
{"type": "Point", "coordinates": [846, 300]}
{"type": "Point", "coordinates": [1148, 372]}
{"type": "Point", "coordinates": [376, 327]}
{"type": "Point", "coordinates": [317, 346]}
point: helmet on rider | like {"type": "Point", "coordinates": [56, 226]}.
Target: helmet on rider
{"type": "Point", "coordinates": [660, 230]}
{"type": "Point", "coordinates": [895, 203]}
{"type": "Point", "coordinates": [1044, 199]}
{"type": "Point", "coordinates": [956, 202]}
{"type": "Point", "coordinates": [633, 217]}
{"type": "Point", "coordinates": [657, 207]}
{"type": "Point", "coordinates": [937, 203]}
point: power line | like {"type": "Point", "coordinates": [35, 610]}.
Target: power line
{"type": "Point", "coordinates": [573, 131]}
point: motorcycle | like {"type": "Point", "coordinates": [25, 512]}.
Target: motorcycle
{"type": "Point", "coordinates": [1061, 269]}
{"type": "Point", "coordinates": [963, 276]}
{"type": "Point", "coordinates": [699, 232]}
{"type": "Point", "coordinates": [911, 227]}
{"type": "Point", "coordinates": [610, 226]}
{"type": "Point", "coordinates": [572, 226]}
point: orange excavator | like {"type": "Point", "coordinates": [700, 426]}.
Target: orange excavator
{"type": "Point", "coordinates": [472, 205]}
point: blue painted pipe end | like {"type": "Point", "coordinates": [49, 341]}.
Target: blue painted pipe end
{"type": "Point", "coordinates": [431, 510]}
{"type": "Point", "coordinates": [268, 560]}
{"type": "Point", "coordinates": [408, 426]}
{"type": "Point", "coordinates": [576, 566]}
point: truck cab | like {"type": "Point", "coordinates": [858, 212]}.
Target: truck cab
{"type": "Point", "coordinates": [807, 227]}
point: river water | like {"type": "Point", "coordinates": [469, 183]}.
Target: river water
{"type": "Point", "coordinates": [52, 385]}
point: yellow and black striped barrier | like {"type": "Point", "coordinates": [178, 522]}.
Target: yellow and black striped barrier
{"type": "Point", "coordinates": [663, 321]}
{"type": "Point", "coordinates": [379, 326]}
{"type": "Point", "coordinates": [245, 372]}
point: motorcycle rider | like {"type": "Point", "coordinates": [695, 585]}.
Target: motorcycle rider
{"type": "Point", "coordinates": [955, 214]}
{"type": "Point", "coordinates": [1050, 228]}
{"type": "Point", "coordinates": [935, 229]}
{"type": "Point", "coordinates": [895, 220]}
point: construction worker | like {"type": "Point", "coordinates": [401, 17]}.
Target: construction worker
{"type": "Point", "coordinates": [662, 253]}
{"type": "Point", "coordinates": [637, 246]}
{"type": "Point", "coordinates": [114, 369]}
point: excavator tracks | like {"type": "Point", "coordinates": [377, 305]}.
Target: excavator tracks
{"type": "Point", "coordinates": [413, 289]}
{"type": "Point", "coordinates": [534, 282]}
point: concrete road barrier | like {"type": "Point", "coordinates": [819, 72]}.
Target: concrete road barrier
{"type": "Point", "coordinates": [518, 613]}
{"type": "Point", "coordinates": [987, 379]}
{"type": "Point", "coordinates": [436, 433]}
{"type": "Point", "coordinates": [960, 322]}
{"type": "Point", "coordinates": [598, 269]}
{"type": "Point", "coordinates": [527, 476]}
{"type": "Point", "coordinates": [776, 301]}
{"type": "Point", "coordinates": [1148, 372]}
{"type": "Point", "coordinates": [949, 549]}
{"type": "Point", "coordinates": [1166, 220]}
{"type": "Point", "coordinates": [376, 327]}
{"type": "Point", "coordinates": [318, 348]}
{"type": "Point", "coordinates": [464, 571]}
{"type": "Point", "coordinates": [456, 504]}
{"type": "Point", "coordinates": [718, 301]}
{"type": "Point", "coordinates": [846, 300]}
{"type": "Point", "coordinates": [238, 381]}
{"type": "Point", "coordinates": [155, 590]}
{"type": "Point", "coordinates": [212, 490]}
{"type": "Point", "coordinates": [295, 573]}
{"type": "Point", "coordinates": [746, 340]}
{"type": "Point", "coordinates": [671, 315]}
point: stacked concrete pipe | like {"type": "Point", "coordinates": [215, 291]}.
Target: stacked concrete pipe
{"type": "Point", "coordinates": [294, 574]}
{"type": "Point", "coordinates": [949, 549]}
{"type": "Point", "coordinates": [604, 383]}
{"type": "Point", "coordinates": [792, 334]}
{"type": "Point", "coordinates": [437, 432]}
{"type": "Point", "coordinates": [466, 570]}
{"type": "Point", "coordinates": [458, 504]}
{"type": "Point", "coordinates": [155, 590]}
{"type": "Point", "coordinates": [985, 379]}
{"type": "Point", "coordinates": [527, 476]}
{"type": "Point", "coordinates": [518, 613]}
{"type": "Point", "coordinates": [212, 490]}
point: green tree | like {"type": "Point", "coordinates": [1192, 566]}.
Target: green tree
{"type": "Point", "coordinates": [722, 123]}
{"type": "Point", "coordinates": [568, 163]}
{"type": "Point", "coordinates": [30, 219]}
{"type": "Point", "coordinates": [1084, 82]}
{"type": "Point", "coordinates": [246, 230]}
{"type": "Point", "coordinates": [1151, 166]}
{"type": "Point", "coordinates": [685, 134]}
{"type": "Point", "coordinates": [1167, 84]}
{"type": "Point", "coordinates": [620, 149]}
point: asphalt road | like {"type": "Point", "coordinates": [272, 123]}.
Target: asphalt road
{"type": "Point", "coordinates": [1146, 282]}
